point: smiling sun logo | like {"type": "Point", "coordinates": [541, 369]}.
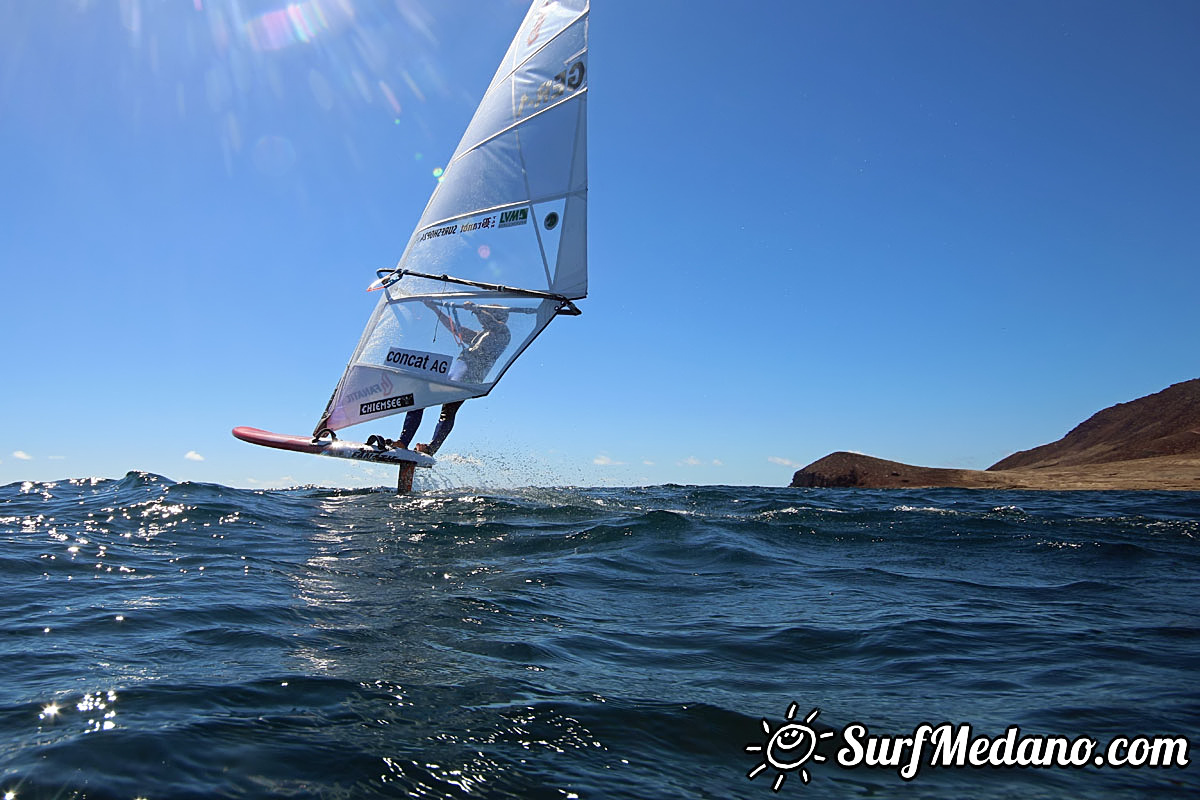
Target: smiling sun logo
{"type": "Point", "coordinates": [788, 748]}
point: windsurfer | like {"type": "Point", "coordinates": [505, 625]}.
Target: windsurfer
{"type": "Point", "coordinates": [481, 349]}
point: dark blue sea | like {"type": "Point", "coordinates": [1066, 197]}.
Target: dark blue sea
{"type": "Point", "coordinates": [189, 640]}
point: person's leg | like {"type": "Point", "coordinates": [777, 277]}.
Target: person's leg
{"type": "Point", "coordinates": [444, 426]}
{"type": "Point", "coordinates": [412, 420]}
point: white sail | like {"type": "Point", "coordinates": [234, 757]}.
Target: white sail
{"type": "Point", "coordinates": [501, 248]}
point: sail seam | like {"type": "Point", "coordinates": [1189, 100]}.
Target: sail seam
{"type": "Point", "coordinates": [518, 123]}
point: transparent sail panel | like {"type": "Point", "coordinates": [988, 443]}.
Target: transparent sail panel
{"type": "Point", "coordinates": [500, 248]}
{"type": "Point", "coordinates": [511, 178]}
{"type": "Point", "coordinates": [462, 338]}
{"type": "Point", "coordinates": [430, 349]}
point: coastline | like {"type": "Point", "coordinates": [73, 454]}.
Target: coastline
{"type": "Point", "coordinates": [855, 470]}
{"type": "Point", "coordinates": [1151, 444]}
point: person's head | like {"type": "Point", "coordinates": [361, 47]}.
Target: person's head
{"type": "Point", "coordinates": [498, 315]}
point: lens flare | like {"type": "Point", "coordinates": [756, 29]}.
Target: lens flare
{"type": "Point", "coordinates": [297, 23]}
{"type": "Point", "coordinates": [390, 96]}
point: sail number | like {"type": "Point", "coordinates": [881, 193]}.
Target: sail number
{"type": "Point", "coordinates": [570, 78]}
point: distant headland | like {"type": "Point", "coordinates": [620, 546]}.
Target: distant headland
{"type": "Point", "coordinates": [1149, 443]}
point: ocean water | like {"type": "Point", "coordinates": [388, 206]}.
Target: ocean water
{"type": "Point", "coordinates": [189, 640]}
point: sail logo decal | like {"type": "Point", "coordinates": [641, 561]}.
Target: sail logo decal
{"type": "Point", "coordinates": [536, 30]}
{"type": "Point", "coordinates": [486, 222]}
{"type": "Point", "coordinates": [383, 387]}
{"type": "Point", "coordinates": [518, 216]}
{"type": "Point", "coordinates": [445, 230]}
{"type": "Point", "coordinates": [386, 404]}
{"type": "Point", "coordinates": [419, 361]}
{"type": "Point", "coordinates": [570, 79]}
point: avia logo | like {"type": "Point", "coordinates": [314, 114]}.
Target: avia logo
{"type": "Point", "coordinates": [789, 748]}
{"type": "Point", "coordinates": [518, 216]}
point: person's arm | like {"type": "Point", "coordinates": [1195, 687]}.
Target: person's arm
{"type": "Point", "coordinates": [442, 318]}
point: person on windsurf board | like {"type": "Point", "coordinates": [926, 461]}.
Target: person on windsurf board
{"type": "Point", "coordinates": [480, 350]}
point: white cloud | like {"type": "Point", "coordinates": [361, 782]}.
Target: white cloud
{"type": "Point", "coordinates": [604, 461]}
{"type": "Point", "coordinates": [783, 462]}
{"type": "Point", "coordinates": [22, 455]}
{"type": "Point", "coordinates": [192, 455]}
{"type": "Point", "coordinates": [692, 461]}
{"type": "Point", "coordinates": [648, 463]}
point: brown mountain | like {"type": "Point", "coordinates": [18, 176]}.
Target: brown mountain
{"type": "Point", "coordinates": [1149, 443]}
{"type": "Point", "coordinates": [1163, 424]}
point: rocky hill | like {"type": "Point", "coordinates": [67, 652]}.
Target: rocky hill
{"type": "Point", "coordinates": [1149, 443]}
{"type": "Point", "coordinates": [1163, 424]}
{"type": "Point", "coordinates": [844, 470]}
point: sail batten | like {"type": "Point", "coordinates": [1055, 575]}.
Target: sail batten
{"type": "Point", "coordinates": [508, 220]}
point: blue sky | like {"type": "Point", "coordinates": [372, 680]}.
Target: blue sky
{"type": "Point", "coordinates": [936, 232]}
